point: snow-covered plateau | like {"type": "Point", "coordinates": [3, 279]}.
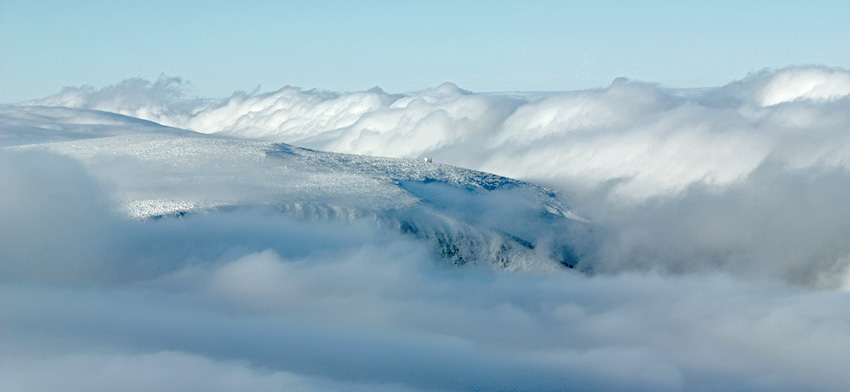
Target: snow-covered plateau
{"type": "Point", "coordinates": [158, 172]}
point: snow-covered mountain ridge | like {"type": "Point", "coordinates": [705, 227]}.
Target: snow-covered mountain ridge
{"type": "Point", "coordinates": [154, 172]}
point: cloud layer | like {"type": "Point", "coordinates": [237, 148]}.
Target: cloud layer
{"type": "Point", "coordinates": [667, 174]}
{"type": "Point", "coordinates": [718, 244]}
{"type": "Point", "coordinates": [652, 140]}
{"type": "Point", "coordinates": [381, 314]}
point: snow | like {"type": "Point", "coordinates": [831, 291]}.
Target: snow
{"type": "Point", "coordinates": [155, 172]}
{"type": "Point", "coordinates": [20, 125]}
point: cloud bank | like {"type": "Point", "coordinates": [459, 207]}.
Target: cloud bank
{"type": "Point", "coordinates": [379, 313]}
{"type": "Point", "coordinates": [231, 300]}
{"type": "Point", "coordinates": [652, 140]}
{"type": "Point", "coordinates": [719, 246]}
{"type": "Point", "coordinates": [766, 157]}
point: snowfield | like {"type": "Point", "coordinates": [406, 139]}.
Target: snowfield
{"type": "Point", "coordinates": [155, 172]}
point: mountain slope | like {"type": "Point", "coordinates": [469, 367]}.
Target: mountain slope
{"type": "Point", "coordinates": [468, 216]}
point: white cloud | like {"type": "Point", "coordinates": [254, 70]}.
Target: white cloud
{"type": "Point", "coordinates": [720, 225]}
{"type": "Point", "coordinates": [380, 316]}
{"type": "Point", "coordinates": [808, 83]}
{"type": "Point", "coordinates": [136, 97]}
{"type": "Point", "coordinates": [653, 141]}
{"type": "Point", "coordinates": [777, 223]}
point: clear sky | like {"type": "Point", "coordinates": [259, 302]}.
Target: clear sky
{"type": "Point", "coordinates": [409, 45]}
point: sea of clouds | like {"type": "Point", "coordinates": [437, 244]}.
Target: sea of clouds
{"type": "Point", "coordinates": [720, 250]}
{"type": "Point", "coordinates": [751, 177]}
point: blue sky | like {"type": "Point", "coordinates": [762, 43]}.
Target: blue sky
{"type": "Point", "coordinates": [409, 45]}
